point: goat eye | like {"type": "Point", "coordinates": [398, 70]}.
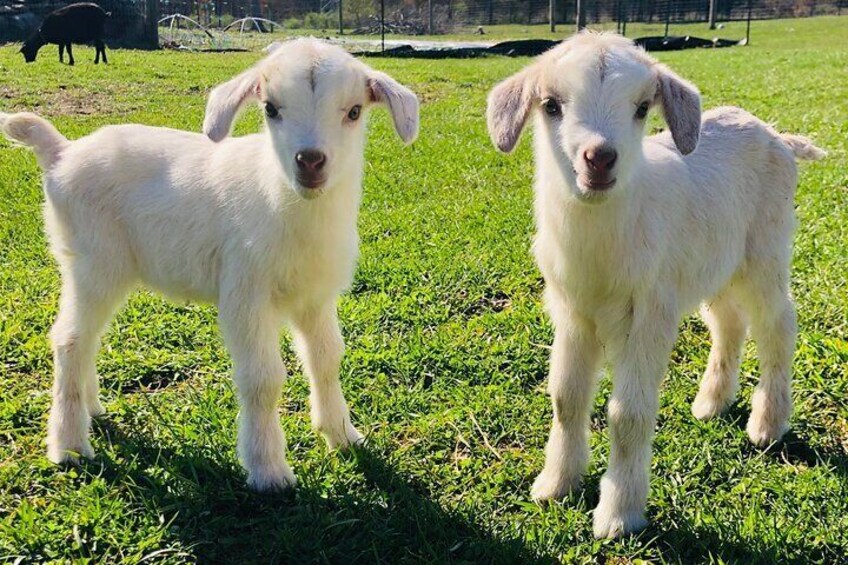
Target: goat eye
{"type": "Point", "coordinates": [552, 107]}
{"type": "Point", "coordinates": [642, 111]}
{"type": "Point", "coordinates": [354, 113]}
{"type": "Point", "coordinates": [271, 110]}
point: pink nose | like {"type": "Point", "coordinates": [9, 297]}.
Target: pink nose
{"type": "Point", "coordinates": [310, 160]}
{"type": "Point", "coordinates": [600, 159]}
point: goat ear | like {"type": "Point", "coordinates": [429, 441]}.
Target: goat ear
{"type": "Point", "coordinates": [402, 103]}
{"type": "Point", "coordinates": [681, 106]}
{"type": "Point", "coordinates": [509, 106]}
{"type": "Point", "coordinates": [226, 100]}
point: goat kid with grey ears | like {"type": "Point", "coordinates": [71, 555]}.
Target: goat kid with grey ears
{"type": "Point", "coordinates": [262, 225]}
{"type": "Point", "coordinates": [633, 233]}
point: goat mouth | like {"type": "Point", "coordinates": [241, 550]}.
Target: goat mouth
{"type": "Point", "coordinates": [592, 184]}
{"type": "Point", "coordinates": [311, 183]}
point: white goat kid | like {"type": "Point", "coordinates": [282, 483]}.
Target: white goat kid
{"type": "Point", "coordinates": [238, 223]}
{"type": "Point", "coordinates": [632, 234]}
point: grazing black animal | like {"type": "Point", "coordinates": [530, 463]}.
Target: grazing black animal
{"type": "Point", "coordinates": [75, 23]}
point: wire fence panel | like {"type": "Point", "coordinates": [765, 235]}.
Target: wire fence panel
{"type": "Point", "coordinates": [441, 16]}
{"type": "Point", "coordinates": [240, 24]}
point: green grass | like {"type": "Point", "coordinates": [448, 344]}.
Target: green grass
{"type": "Point", "coordinates": [447, 353]}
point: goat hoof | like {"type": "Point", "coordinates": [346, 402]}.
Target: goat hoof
{"type": "Point", "coordinates": [704, 408]}
{"type": "Point", "coordinates": [62, 455]}
{"type": "Point", "coordinates": [614, 525]}
{"type": "Point", "coordinates": [346, 439]}
{"type": "Point", "coordinates": [277, 480]}
{"type": "Point", "coordinates": [762, 433]}
{"type": "Point", "coordinates": [552, 485]}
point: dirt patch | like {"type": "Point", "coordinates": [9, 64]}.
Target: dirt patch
{"type": "Point", "coordinates": [65, 101]}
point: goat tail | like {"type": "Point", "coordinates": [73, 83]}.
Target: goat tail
{"type": "Point", "coordinates": [802, 147]}
{"type": "Point", "coordinates": [36, 132]}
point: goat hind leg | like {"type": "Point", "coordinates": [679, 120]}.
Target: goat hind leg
{"type": "Point", "coordinates": [774, 329]}
{"type": "Point", "coordinates": [720, 382]}
{"type": "Point", "coordinates": [84, 311]}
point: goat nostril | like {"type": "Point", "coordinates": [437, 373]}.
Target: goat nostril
{"type": "Point", "coordinates": [310, 159]}
{"type": "Point", "coordinates": [601, 159]}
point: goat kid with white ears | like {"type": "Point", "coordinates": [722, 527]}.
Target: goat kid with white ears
{"type": "Point", "coordinates": [262, 225]}
{"type": "Point", "coordinates": [633, 233]}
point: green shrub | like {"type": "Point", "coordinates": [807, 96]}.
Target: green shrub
{"type": "Point", "coordinates": [292, 23]}
{"type": "Point", "coordinates": [314, 20]}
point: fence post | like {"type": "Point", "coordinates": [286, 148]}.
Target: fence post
{"type": "Point", "coordinates": [713, 14]}
{"type": "Point", "coordinates": [667, 16]}
{"type": "Point", "coordinates": [748, 26]}
{"type": "Point", "coordinates": [581, 14]}
{"type": "Point", "coordinates": [552, 14]}
{"type": "Point", "coordinates": [341, 19]}
{"type": "Point", "coordinates": [382, 25]}
{"type": "Point", "coordinates": [429, 17]}
{"type": "Point", "coordinates": [151, 24]}
{"type": "Point", "coordinates": [625, 16]}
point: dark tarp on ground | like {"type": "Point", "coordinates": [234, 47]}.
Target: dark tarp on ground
{"type": "Point", "coordinates": [532, 47]}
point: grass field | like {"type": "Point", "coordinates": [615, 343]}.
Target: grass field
{"type": "Point", "coordinates": [447, 353]}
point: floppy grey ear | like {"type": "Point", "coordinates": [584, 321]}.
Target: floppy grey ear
{"type": "Point", "coordinates": [226, 100]}
{"type": "Point", "coordinates": [509, 106]}
{"type": "Point", "coordinates": [402, 103]}
{"type": "Point", "coordinates": [681, 106]}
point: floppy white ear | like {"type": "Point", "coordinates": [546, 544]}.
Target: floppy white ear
{"type": "Point", "coordinates": [681, 106]}
{"type": "Point", "coordinates": [226, 100]}
{"type": "Point", "coordinates": [402, 103]}
{"type": "Point", "coordinates": [509, 106]}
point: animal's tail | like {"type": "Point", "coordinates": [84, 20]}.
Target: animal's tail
{"type": "Point", "coordinates": [35, 132]}
{"type": "Point", "coordinates": [802, 147]}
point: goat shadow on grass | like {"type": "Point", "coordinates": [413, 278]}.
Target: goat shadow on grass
{"type": "Point", "coordinates": [688, 544]}
{"type": "Point", "coordinates": [794, 448]}
{"type": "Point", "coordinates": [212, 512]}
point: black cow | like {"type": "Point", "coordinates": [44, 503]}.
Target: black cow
{"type": "Point", "coordinates": [75, 23]}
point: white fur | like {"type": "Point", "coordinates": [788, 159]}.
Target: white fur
{"type": "Point", "coordinates": [623, 265]}
{"type": "Point", "coordinates": [224, 222]}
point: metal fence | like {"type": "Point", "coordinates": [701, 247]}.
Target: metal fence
{"type": "Point", "coordinates": [137, 22]}
{"type": "Point", "coordinates": [444, 16]}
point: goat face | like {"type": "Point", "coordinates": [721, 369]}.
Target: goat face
{"type": "Point", "coordinates": [315, 97]}
{"type": "Point", "coordinates": [591, 96]}
{"type": "Point", "coordinates": [30, 50]}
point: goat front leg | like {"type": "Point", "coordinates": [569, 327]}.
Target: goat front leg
{"type": "Point", "coordinates": [575, 359]}
{"type": "Point", "coordinates": [251, 334]}
{"type": "Point", "coordinates": [70, 54]}
{"type": "Point", "coordinates": [318, 341]}
{"type": "Point", "coordinates": [101, 51]}
{"type": "Point", "coordinates": [639, 366]}
{"type": "Point", "coordinates": [61, 53]}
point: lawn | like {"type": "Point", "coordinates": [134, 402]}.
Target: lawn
{"type": "Point", "coordinates": [446, 359]}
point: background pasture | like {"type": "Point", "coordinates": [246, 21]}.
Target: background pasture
{"type": "Point", "coordinates": [446, 359]}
